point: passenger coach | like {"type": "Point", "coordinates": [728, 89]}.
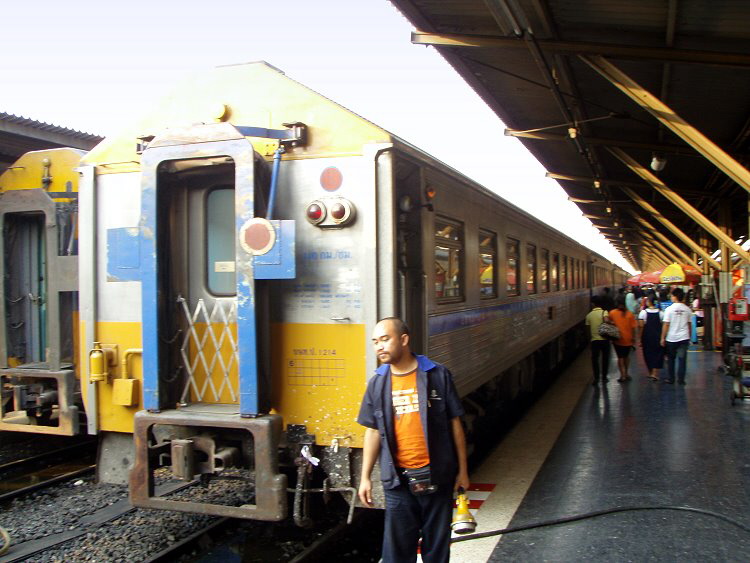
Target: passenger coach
{"type": "Point", "coordinates": [206, 283]}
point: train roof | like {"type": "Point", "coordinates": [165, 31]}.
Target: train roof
{"type": "Point", "coordinates": [260, 95]}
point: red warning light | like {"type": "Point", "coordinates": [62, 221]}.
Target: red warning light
{"type": "Point", "coordinates": [331, 179]}
{"type": "Point", "coordinates": [315, 212]}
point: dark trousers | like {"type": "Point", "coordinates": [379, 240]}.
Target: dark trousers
{"type": "Point", "coordinates": [407, 517]}
{"type": "Point", "coordinates": [600, 349]}
{"type": "Point", "coordinates": [677, 353]}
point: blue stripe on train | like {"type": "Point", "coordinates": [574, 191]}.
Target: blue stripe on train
{"type": "Point", "coordinates": [440, 324]}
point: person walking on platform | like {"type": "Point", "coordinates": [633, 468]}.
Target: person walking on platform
{"type": "Point", "coordinates": [664, 300]}
{"type": "Point", "coordinates": [625, 321]}
{"type": "Point", "coordinates": [411, 413]}
{"type": "Point", "coordinates": [649, 321]}
{"type": "Point", "coordinates": [631, 302]}
{"type": "Point", "coordinates": [675, 336]}
{"type": "Point", "coordinates": [607, 302]}
{"type": "Point", "coordinates": [599, 345]}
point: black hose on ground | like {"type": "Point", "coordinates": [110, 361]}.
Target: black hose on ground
{"type": "Point", "coordinates": [567, 519]}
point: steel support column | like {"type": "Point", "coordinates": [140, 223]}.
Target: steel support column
{"type": "Point", "coordinates": [671, 120]}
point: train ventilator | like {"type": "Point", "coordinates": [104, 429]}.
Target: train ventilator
{"type": "Point", "coordinates": [199, 290]}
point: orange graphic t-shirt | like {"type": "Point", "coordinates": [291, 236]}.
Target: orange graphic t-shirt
{"type": "Point", "coordinates": [411, 447]}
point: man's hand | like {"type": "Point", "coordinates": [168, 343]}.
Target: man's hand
{"type": "Point", "coordinates": [365, 492]}
{"type": "Point", "coordinates": [462, 480]}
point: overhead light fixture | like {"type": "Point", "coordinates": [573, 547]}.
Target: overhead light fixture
{"type": "Point", "coordinates": [658, 162]}
{"type": "Point", "coordinates": [572, 132]}
{"type": "Point", "coordinates": [609, 210]}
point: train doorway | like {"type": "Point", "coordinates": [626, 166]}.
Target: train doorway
{"type": "Point", "coordinates": [25, 288]}
{"type": "Point", "coordinates": [196, 258]}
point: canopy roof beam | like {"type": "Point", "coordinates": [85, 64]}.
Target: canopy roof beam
{"type": "Point", "coordinates": [628, 52]}
{"type": "Point", "coordinates": [671, 120]}
{"type": "Point", "coordinates": [650, 230]}
{"type": "Point", "coordinates": [672, 227]}
{"type": "Point", "coordinates": [683, 205]}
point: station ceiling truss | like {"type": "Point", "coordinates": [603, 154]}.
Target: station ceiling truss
{"type": "Point", "coordinates": [640, 109]}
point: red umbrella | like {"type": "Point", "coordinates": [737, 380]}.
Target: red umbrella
{"type": "Point", "coordinates": [650, 277]}
{"type": "Point", "coordinates": [635, 280]}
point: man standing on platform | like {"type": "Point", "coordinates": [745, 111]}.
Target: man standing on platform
{"type": "Point", "coordinates": [411, 411]}
{"type": "Point", "coordinates": [675, 335]}
{"type": "Point", "coordinates": [600, 346]}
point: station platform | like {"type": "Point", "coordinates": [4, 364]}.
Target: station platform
{"type": "Point", "coordinates": [584, 449]}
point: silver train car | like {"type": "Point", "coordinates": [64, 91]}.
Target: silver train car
{"type": "Point", "coordinates": [228, 258]}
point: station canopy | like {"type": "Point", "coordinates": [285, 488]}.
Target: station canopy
{"type": "Point", "coordinates": [639, 108]}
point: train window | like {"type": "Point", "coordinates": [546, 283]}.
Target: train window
{"type": "Point", "coordinates": [220, 250]}
{"type": "Point", "coordinates": [449, 246]}
{"type": "Point", "coordinates": [487, 264]}
{"type": "Point", "coordinates": [563, 273]}
{"type": "Point", "coordinates": [531, 268]}
{"type": "Point", "coordinates": [555, 271]}
{"type": "Point", "coordinates": [544, 271]}
{"type": "Point", "coordinates": [511, 273]}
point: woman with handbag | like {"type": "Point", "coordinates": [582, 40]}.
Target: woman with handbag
{"type": "Point", "coordinates": [625, 321]}
{"type": "Point", "coordinates": [599, 344]}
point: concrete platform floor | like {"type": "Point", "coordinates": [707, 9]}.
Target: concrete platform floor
{"type": "Point", "coordinates": [639, 443]}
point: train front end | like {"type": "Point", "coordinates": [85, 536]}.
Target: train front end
{"type": "Point", "coordinates": [39, 377]}
{"type": "Point", "coordinates": [225, 322]}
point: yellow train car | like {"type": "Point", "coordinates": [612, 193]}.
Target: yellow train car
{"type": "Point", "coordinates": [219, 268]}
{"type": "Point", "coordinates": [39, 375]}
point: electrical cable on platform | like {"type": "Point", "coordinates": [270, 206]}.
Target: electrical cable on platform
{"type": "Point", "coordinates": [587, 515]}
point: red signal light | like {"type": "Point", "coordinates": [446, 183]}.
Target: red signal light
{"type": "Point", "coordinates": [316, 212]}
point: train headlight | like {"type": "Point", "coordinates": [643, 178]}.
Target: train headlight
{"type": "Point", "coordinates": [334, 212]}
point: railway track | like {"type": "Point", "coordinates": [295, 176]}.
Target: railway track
{"type": "Point", "coordinates": [23, 476]}
{"type": "Point", "coordinates": [230, 541]}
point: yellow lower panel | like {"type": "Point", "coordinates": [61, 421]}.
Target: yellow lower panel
{"type": "Point", "coordinates": [319, 378]}
{"type": "Point", "coordinates": [114, 417]}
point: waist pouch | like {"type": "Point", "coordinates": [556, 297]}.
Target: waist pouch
{"type": "Point", "coordinates": [420, 481]}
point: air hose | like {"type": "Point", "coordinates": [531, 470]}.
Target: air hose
{"type": "Point", "coordinates": [587, 515]}
{"type": "Point", "coordinates": [5, 546]}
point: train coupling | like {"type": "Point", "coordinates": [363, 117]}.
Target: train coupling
{"type": "Point", "coordinates": [39, 400]}
{"type": "Point", "coordinates": [203, 442]}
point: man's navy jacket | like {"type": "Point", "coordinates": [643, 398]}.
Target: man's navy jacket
{"type": "Point", "coordinates": [438, 404]}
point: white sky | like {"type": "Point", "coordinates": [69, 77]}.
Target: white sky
{"type": "Point", "coordinates": [93, 65]}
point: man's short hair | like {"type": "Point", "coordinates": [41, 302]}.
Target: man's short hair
{"type": "Point", "coordinates": [398, 325]}
{"type": "Point", "coordinates": [679, 293]}
{"type": "Point", "coordinates": [596, 301]}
